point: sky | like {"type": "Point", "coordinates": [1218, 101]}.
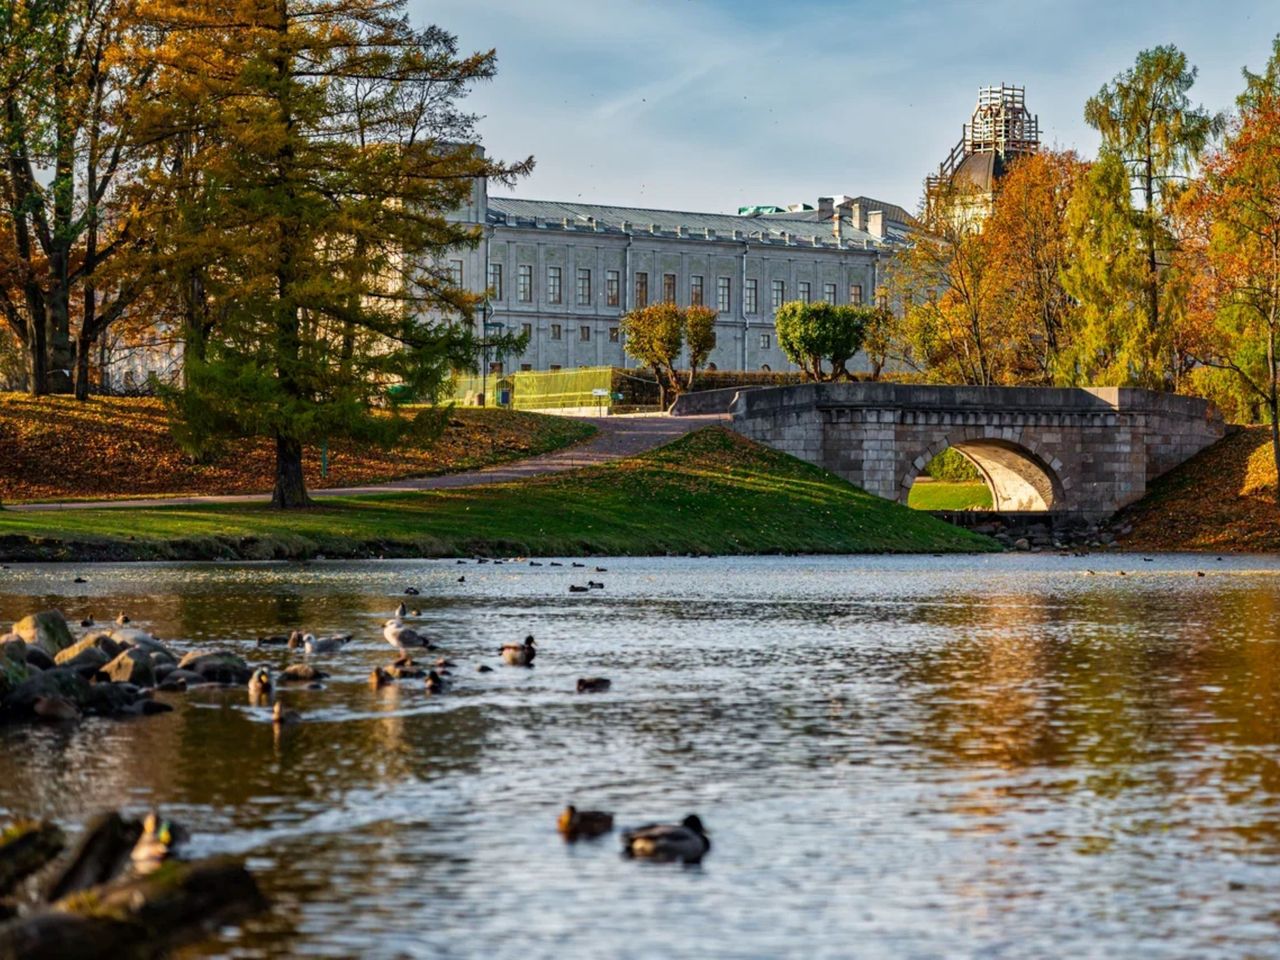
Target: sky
{"type": "Point", "coordinates": [707, 105]}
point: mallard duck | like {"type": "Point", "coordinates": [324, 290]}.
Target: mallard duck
{"type": "Point", "coordinates": [575, 588]}
{"type": "Point", "coordinates": [260, 684]}
{"type": "Point", "coordinates": [575, 823]}
{"type": "Point", "coordinates": [156, 844]}
{"type": "Point", "coordinates": [594, 684]}
{"type": "Point", "coordinates": [686, 841]}
{"type": "Point", "coordinates": [281, 717]}
{"type": "Point", "coordinates": [434, 682]}
{"type": "Point", "coordinates": [314, 645]}
{"type": "Point", "coordinates": [380, 678]}
{"type": "Point", "coordinates": [519, 654]}
{"type": "Point", "coordinates": [401, 611]}
{"type": "Point", "coordinates": [484, 668]}
{"type": "Point", "coordinates": [579, 565]}
{"type": "Point", "coordinates": [401, 637]}
{"type": "Point", "coordinates": [301, 673]}
{"type": "Point", "coordinates": [405, 668]}
{"type": "Point", "coordinates": [121, 619]}
{"type": "Point", "coordinates": [411, 591]}
{"type": "Point", "coordinates": [594, 585]}
{"type": "Point", "coordinates": [87, 621]}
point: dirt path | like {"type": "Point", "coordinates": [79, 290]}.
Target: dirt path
{"type": "Point", "coordinates": [617, 437]}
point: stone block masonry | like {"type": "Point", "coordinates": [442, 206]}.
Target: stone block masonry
{"type": "Point", "coordinates": [1085, 452]}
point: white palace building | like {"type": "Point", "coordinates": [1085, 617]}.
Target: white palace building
{"type": "Point", "coordinates": [565, 273]}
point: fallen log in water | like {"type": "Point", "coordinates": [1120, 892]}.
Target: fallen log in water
{"type": "Point", "coordinates": [139, 917]}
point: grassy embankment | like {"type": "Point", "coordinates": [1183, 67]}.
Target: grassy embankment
{"type": "Point", "coordinates": [1222, 499]}
{"type": "Point", "coordinates": [927, 494]}
{"type": "Point", "coordinates": [55, 448]}
{"type": "Point", "coordinates": [711, 492]}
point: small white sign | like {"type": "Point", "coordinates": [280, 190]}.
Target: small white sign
{"type": "Point", "coordinates": [599, 392]}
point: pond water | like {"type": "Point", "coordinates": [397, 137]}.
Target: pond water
{"type": "Point", "coordinates": [907, 757]}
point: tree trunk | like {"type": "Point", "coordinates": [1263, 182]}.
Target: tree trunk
{"type": "Point", "coordinates": [61, 358]}
{"type": "Point", "coordinates": [38, 353]}
{"type": "Point", "coordinates": [84, 345]}
{"type": "Point", "coordinates": [290, 489]}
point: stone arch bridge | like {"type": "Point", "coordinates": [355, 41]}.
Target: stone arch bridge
{"type": "Point", "coordinates": [1085, 452]}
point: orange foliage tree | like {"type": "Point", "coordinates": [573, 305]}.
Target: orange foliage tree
{"type": "Point", "coordinates": [1231, 256]}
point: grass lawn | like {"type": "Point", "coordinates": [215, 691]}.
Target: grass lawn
{"type": "Point", "coordinates": [711, 492]}
{"type": "Point", "coordinates": [55, 448]}
{"type": "Point", "coordinates": [944, 495]}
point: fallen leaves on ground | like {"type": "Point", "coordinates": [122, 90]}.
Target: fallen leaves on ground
{"type": "Point", "coordinates": [1223, 500]}
{"type": "Point", "coordinates": [57, 448]}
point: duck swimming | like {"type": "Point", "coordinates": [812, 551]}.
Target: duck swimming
{"type": "Point", "coordinates": [519, 654]}
{"type": "Point", "coordinates": [156, 844]}
{"type": "Point", "coordinates": [686, 841]}
{"type": "Point", "coordinates": [260, 685]}
{"type": "Point", "coordinates": [380, 678]}
{"type": "Point", "coordinates": [401, 611]}
{"type": "Point", "coordinates": [575, 823]}
{"type": "Point", "coordinates": [434, 683]}
{"type": "Point", "coordinates": [281, 717]}
{"type": "Point", "coordinates": [594, 684]}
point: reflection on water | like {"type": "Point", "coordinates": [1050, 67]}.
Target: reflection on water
{"type": "Point", "coordinates": [995, 756]}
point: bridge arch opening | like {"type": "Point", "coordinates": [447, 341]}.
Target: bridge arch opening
{"type": "Point", "coordinates": [1017, 478]}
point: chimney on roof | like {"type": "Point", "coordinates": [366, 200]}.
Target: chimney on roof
{"type": "Point", "coordinates": [858, 214]}
{"type": "Point", "coordinates": [826, 207]}
{"type": "Point", "coordinates": [875, 224]}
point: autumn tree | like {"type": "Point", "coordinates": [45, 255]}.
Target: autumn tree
{"type": "Point", "coordinates": [656, 336]}
{"type": "Point", "coordinates": [1027, 237]}
{"type": "Point", "coordinates": [67, 108]}
{"type": "Point", "coordinates": [814, 334]}
{"type": "Point", "coordinates": [1151, 128]}
{"type": "Point", "coordinates": [1233, 249]}
{"type": "Point", "coordinates": [947, 293]}
{"type": "Point", "coordinates": [699, 336]}
{"type": "Point", "coordinates": [331, 140]}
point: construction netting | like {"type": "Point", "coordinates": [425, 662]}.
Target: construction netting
{"type": "Point", "coordinates": [543, 390]}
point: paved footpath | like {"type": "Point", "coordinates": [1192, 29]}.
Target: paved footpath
{"type": "Point", "coordinates": [616, 437]}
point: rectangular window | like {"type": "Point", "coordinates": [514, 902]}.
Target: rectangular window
{"type": "Point", "coordinates": [695, 291]}
{"type": "Point", "coordinates": [642, 290]}
{"type": "Point", "coordinates": [613, 334]}
{"type": "Point", "coordinates": [553, 284]}
{"type": "Point", "coordinates": [554, 367]}
{"type": "Point", "coordinates": [855, 294]}
{"type": "Point", "coordinates": [495, 281]}
{"type": "Point", "coordinates": [527, 330]}
{"type": "Point", "coordinates": [584, 288]}
{"type": "Point", "coordinates": [764, 341]}
{"type": "Point", "coordinates": [804, 291]}
{"type": "Point", "coordinates": [495, 366]}
{"type": "Point", "coordinates": [455, 272]}
{"type": "Point", "coordinates": [556, 331]}
{"type": "Point", "coordinates": [751, 296]}
{"type": "Point", "coordinates": [526, 367]}
{"type": "Point", "coordinates": [829, 292]}
{"type": "Point", "coordinates": [723, 294]}
{"type": "Point", "coordinates": [524, 283]}
{"type": "Point", "coordinates": [668, 288]}
{"type": "Point", "coordinates": [777, 293]}
{"type": "Point", "coordinates": [612, 288]}
{"type": "Point", "coordinates": [584, 333]}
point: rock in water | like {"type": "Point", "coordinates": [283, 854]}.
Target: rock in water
{"type": "Point", "coordinates": [59, 682]}
{"type": "Point", "coordinates": [47, 630]}
{"type": "Point", "coordinates": [132, 666]}
{"type": "Point", "coordinates": [101, 853]}
{"type": "Point", "coordinates": [25, 847]}
{"type": "Point", "coordinates": [219, 667]}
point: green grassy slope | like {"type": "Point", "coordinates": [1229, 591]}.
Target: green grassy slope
{"type": "Point", "coordinates": [711, 492]}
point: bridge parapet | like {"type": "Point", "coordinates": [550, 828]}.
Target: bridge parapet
{"type": "Point", "coordinates": [1083, 451]}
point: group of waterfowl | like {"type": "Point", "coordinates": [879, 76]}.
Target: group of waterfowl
{"type": "Point", "coordinates": [683, 842]}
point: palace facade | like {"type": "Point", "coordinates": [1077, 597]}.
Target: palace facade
{"type": "Point", "coordinates": [565, 273]}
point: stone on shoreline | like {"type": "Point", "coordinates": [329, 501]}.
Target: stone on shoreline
{"type": "Point", "coordinates": [59, 682]}
{"type": "Point", "coordinates": [47, 630]}
{"type": "Point", "coordinates": [132, 666]}
{"type": "Point", "coordinates": [97, 640]}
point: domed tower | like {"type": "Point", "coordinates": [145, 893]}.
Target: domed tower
{"type": "Point", "coordinates": [1000, 130]}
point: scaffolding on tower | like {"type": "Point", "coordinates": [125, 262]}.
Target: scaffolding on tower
{"type": "Point", "coordinates": [1000, 125]}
